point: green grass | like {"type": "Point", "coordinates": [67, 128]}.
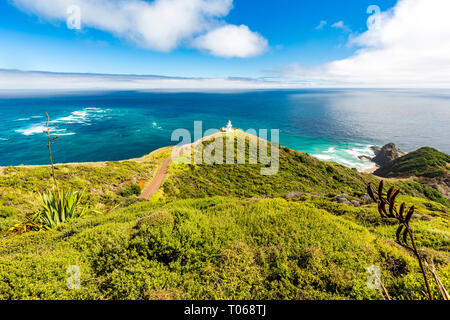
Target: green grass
{"type": "Point", "coordinates": [103, 183]}
{"type": "Point", "coordinates": [218, 232]}
{"type": "Point", "coordinates": [213, 248]}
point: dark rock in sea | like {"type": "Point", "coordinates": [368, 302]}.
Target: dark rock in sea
{"type": "Point", "coordinates": [387, 154]}
{"type": "Point", "coordinates": [365, 158]}
{"type": "Point", "coordinates": [375, 149]}
{"type": "Point", "coordinates": [366, 199]}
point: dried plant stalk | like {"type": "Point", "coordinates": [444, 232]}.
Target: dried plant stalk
{"type": "Point", "coordinates": [388, 209]}
{"type": "Point", "coordinates": [438, 281]}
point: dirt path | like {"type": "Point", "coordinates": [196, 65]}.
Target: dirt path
{"type": "Point", "coordinates": [159, 179]}
{"type": "Point", "coordinates": [162, 171]}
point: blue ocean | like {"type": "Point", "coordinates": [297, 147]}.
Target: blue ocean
{"type": "Point", "coordinates": [333, 125]}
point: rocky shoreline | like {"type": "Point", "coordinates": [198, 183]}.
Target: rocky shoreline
{"type": "Point", "coordinates": [384, 155]}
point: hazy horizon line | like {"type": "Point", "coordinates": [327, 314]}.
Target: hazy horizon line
{"type": "Point", "coordinates": [38, 81]}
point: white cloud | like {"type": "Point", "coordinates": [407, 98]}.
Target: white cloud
{"type": "Point", "coordinates": [321, 24]}
{"type": "Point", "coordinates": [411, 48]}
{"type": "Point", "coordinates": [232, 41]}
{"type": "Point", "coordinates": [161, 25]}
{"type": "Point", "coordinates": [341, 25]}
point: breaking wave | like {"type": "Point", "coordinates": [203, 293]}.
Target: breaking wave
{"type": "Point", "coordinates": [349, 156]}
{"type": "Point", "coordinates": [85, 116]}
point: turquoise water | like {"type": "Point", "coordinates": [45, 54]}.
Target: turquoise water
{"type": "Point", "coordinates": [335, 125]}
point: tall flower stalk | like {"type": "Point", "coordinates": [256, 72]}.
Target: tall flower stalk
{"type": "Point", "coordinates": [388, 209]}
{"type": "Point", "coordinates": [49, 146]}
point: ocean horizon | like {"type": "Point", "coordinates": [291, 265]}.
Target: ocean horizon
{"type": "Point", "coordinates": [337, 125]}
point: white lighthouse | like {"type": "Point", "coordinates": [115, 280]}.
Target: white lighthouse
{"type": "Point", "coordinates": [229, 127]}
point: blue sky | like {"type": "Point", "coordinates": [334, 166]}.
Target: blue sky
{"type": "Point", "coordinates": [225, 44]}
{"type": "Point", "coordinates": [30, 42]}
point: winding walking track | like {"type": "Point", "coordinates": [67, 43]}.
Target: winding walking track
{"type": "Point", "coordinates": [159, 178]}
{"type": "Point", "coordinates": [162, 171]}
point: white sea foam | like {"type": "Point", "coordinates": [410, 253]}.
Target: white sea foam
{"type": "Point", "coordinates": [74, 117]}
{"type": "Point", "coordinates": [357, 152]}
{"type": "Point", "coordinates": [348, 163]}
{"type": "Point", "coordinates": [34, 129]}
{"type": "Point", "coordinates": [155, 125]}
{"type": "Point", "coordinates": [66, 134]}
{"type": "Point", "coordinates": [348, 157]}
{"type": "Point", "coordinates": [38, 129]}
{"type": "Point", "coordinates": [323, 157]}
{"type": "Point", "coordinates": [84, 117]}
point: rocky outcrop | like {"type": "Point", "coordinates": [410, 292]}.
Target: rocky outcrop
{"type": "Point", "coordinates": [343, 199]}
{"type": "Point", "coordinates": [441, 184]}
{"type": "Point", "coordinates": [366, 199]}
{"type": "Point", "coordinates": [426, 165]}
{"type": "Point", "coordinates": [375, 149]}
{"type": "Point", "coordinates": [365, 158]}
{"type": "Point", "coordinates": [386, 154]}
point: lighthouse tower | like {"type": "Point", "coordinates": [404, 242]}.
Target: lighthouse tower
{"type": "Point", "coordinates": [229, 127]}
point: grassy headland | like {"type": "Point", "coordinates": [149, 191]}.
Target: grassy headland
{"type": "Point", "coordinates": [219, 232]}
{"type": "Point", "coordinates": [424, 162]}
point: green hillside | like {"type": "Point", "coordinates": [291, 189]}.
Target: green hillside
{"type": "Point", "coordinates": [425, 162]}
{"type": "Point", "coordinates": [218, 232]}
{"type": "Point", "coordinates": [298, 173]}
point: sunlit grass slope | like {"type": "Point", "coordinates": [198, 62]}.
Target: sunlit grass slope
{"type": "Point", "coordinates": [218, 232]}
{"type": "Point", "coordinates": [218, 248]}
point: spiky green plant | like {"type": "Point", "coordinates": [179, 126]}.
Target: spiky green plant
{"type": "Point", "coordinates": [60, 205]}
{"type": "Point", "coordinates": [57, 208]}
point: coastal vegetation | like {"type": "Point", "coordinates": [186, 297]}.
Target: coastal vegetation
{"type": "Point", "coordinates": [298, 172]}
{"type": "Point", "coordinates": [220, 232]}
{"type": "Point", "coordinates": [129, 191]}
{"type": "Point", "coordinates": [404, 234]}
{"type": "Point", "coordinates": [425, 162]}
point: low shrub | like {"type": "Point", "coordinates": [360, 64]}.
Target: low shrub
{"type": "Point", "coordinates": [133, 190]}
